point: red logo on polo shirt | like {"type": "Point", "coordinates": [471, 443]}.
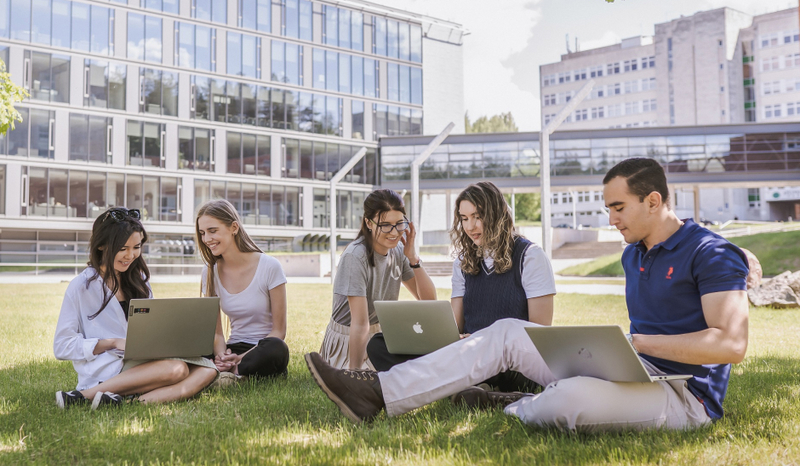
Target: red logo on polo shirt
{"type": "Point", "coordinates": [669, 274]}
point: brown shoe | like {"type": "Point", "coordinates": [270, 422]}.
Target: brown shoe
{"type": "Point", "coordinates": [478, 398]}
{"type": "Point", "coordinates": [357, 393]}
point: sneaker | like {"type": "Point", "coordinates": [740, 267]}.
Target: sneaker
{"type": "Point", "coordinates": [357, 393]}
{"type": "Point", "coordinates": [478, 398]}
{"type": "Point", "coordinates": [225, 379]}
{"type": "Point", "coordinates": [65, 399]}
{"type": "Point", "coordinates": [106, 398]}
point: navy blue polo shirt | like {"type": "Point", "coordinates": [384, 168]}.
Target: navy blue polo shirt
{"type": "Point", "coordinates": [663, 287]}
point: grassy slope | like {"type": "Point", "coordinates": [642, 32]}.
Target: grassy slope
{"type": "Point", "coordinates": [777, 252]}
{"type": "Point", "coordinates": [291, 422]}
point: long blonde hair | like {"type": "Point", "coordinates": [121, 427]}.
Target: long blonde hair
{"type": "Point", "coordinates": [498, 229]}
{"type": "Point", "coordinates": [225, 212]}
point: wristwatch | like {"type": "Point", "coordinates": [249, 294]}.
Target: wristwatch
{"type": "Point", "coordinates": [417, 265]}
{"type": "Point", "coordinates": [630, 340]}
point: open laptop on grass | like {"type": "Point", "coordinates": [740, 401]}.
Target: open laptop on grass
{"type": "Point", "coordinates": [416, 327]}
{"type": "Point", "coordinates": [601, 351]}
{"type": "Point", "coordinates": [170, 328]}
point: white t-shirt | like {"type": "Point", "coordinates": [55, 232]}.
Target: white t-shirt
{"type": "Point", "coordinates": [76, 335]}
{"type": "Point", "coordinates": [249, 310]}
{"type": "Point", "coordinates": [537, 274]}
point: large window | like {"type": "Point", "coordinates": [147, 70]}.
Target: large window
{"type": "Point", "coordinates": [145, 146]}
{"type": "Point", "coordinates": [144, 38]}
{"type": "Point", "coordinates": [255, 14]}
{"type": "Point", "coordinates": [320, 161]}
{"type": "Point", "coordinates": [296, 19]}
{"type": "Point", "coordinates": [233, 102]}
{"type": "Point", "coordinates": [158, 92]}
{"type": "Point", "coordinates": [345, 73]}
{"type": "Point", "coordinates": [395, 121]}
{"type": "Point", "coordinates": [195, 46]}
{"type": "Point", "coordinates": [32, 137]}
{"type": "Point", "coordinates": [158, 198]}
{"type": "Point", "coordinates": [404, 83]}
{"type": "Point", "coordinates": [350, 208]}
{"type": "Point", "coordinates": [244, 55]}
{"type": "Point", "coordinates": [287, 63]}
{"type": "Point", "coordinates": [49, 192]}
{"type": "Point", "coordinates": [104, 84]}
{"type": "Point", "coordinates": [89, 138]}
{"type": "Point", "coordinates": [210, 10]}
{"type": "Point", "coordinates": [196, 148]}
{"type": "Point", "coordinates": [258, 204]}
{"type": "Point", "coordinates": [343, 28]}
{"type": "Point", "coordinates": [46, 76]}
{"type": "Point", "coordinates": [167, 6]}
{"type": "Point", "coordinates": [248, 154]}
{"type": "Point", "coordinates": [357, 115]}
{"type": "Point", "coordinates": [59, 23]}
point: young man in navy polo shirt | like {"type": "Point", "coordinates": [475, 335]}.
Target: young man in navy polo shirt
{"type": "Point", "coordinates": [685, 290]}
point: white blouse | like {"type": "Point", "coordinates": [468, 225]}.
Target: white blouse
{"type": "Point", "coordinates": [76, 336]}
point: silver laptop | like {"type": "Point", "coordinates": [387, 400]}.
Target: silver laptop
{"type": "Point", "coordinates": [599, 351]}
{"type": "Point", "coordinates": [416, 327]}
{"type": "Point", "coordinates": [171, 328]}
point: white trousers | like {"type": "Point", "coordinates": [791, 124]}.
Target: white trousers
{"type": "Point", "coordinates": [578, 403]}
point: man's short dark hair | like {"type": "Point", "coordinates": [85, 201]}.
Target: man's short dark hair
{"type": "Point", "coordinates": [643, 176]}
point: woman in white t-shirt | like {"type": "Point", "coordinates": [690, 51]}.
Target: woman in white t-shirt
{"type": "Point", "coordinates": [371, 269]}
{"type": "Point", "coordinates": [251, 287]}
{"type": "Point", "coordinates": [93, 324]}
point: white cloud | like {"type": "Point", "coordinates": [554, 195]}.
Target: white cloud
{"type": "Point", "coordinates": [608, 38]}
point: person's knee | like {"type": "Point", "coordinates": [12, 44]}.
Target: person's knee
{"type": "Point", "coordinates": [376, 346]}
{"type": "Point", "coordinates": [177, 371]}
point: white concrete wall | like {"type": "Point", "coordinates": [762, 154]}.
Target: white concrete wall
{"type": "Point", "coordinates": [442, 86]}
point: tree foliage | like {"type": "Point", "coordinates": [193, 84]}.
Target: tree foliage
{"type": "Point", "coordinates": [10, 94]}
{"type": "Point", "coordinates": [503, 123]}
{"type": "Point", "coordinates": [527, 207]}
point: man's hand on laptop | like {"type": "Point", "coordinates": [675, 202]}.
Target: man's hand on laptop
{"type": "Point", "coordinates": [464, 335]}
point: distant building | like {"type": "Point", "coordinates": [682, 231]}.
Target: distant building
{"type": "Point", "coordinates": [714, 67]}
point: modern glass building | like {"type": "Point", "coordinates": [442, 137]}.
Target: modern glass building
{"type": "Point", "coordinates": [754, 156]}
{"type": "Point", "coordinates": [162, 104]}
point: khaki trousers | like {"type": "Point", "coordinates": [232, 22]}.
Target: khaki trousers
{"type": "Point", "coordinates": [578, 403]}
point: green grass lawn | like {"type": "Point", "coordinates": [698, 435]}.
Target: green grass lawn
{"type": "Point", "coordinates": [292, 422]}
{"type": "Point", "coordinates": [777, 253]}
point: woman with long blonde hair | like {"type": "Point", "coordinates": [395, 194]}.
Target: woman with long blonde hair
{"type": "Point", "coordinates": [252, 290]}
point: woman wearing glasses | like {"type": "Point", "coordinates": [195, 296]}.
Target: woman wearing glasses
{"type": "Point", "coordinates": [252, 292]}
{"type": "Point", "coordinates": [92, 325]}
{"type": "Point", "coordinates": [497, 274]}
{"type": "Point", "coordinates": [371, 269]}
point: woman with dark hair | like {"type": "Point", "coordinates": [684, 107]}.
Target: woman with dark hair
{"type": "Point", "coordinates": [371, 269]}
{"type": "Point", "coordinates": [93, 323]}
{"type": "Point", "coordinates": [251, 287]}
{"type": "Point", "coordinates": [497, 274]}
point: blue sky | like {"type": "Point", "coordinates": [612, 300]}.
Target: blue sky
{"type": "Point", "coordinates": [509, 39]}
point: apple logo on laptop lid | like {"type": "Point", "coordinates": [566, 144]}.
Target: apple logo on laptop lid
{"type": "Point", "coordinates": [417, 327]}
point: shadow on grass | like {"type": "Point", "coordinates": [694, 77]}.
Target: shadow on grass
{"type": "Point", "coordinates": [291, 421]}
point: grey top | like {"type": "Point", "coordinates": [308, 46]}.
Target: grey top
{"type": "Point", "coordinates": [355, 277]}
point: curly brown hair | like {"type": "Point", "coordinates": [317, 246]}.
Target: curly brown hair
{"type": "Point", "coordinates": [498, 229]}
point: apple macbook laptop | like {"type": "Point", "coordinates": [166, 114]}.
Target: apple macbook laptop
{"type": "Point", "coordinates": [601, 351]}
{"type": "Point", "coordinates": [171, 328]}
{"type": "Point", "coordinates": [416, 327]}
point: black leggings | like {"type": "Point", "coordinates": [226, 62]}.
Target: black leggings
{"type": "Point", "coordinates": [509, 381]}
{"type": "Point", "coordinates": [270, 357]}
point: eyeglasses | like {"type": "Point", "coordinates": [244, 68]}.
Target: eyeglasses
{"type": "Point", "coordinates": [388, 227]}
{"type": "Point", "coordinates": [120, 213]}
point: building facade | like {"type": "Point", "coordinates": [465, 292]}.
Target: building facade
{"type": "Point", "coordinates": [714, 67]}
{"type": "Point", "coordinates": [161, 105]}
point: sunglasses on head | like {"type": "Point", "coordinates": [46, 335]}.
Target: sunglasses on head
{"type": "Point", "coordinates": [119, 214]}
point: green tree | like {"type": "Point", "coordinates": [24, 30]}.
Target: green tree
{"type": "Point", "coordinates": [10, 94]}
{"type": "Point", "coordinates": [527, 207]}
{"type": "Point", "coordinates": [503, 123]}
